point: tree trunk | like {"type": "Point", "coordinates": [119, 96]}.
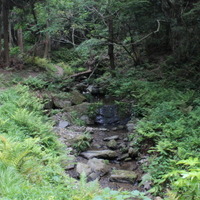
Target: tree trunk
{"type": "Point", "coordinates": [6, 31]}
{"type": "Point", "coordinates": [0, 29]}
{"type": "Point", "coordinates": [111, 42]}
{"type": "Point", "coordinates": [47, 43]}
{"type": "Point", "coordinates": [11, 43]}
{"type": "Point", "coordinates": [20, 40]}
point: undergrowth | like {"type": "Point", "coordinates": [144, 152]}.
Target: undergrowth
{"type": "Point", "coordinates": [169, 119]}
{"type": "Point", "coordinates": [30, 155]}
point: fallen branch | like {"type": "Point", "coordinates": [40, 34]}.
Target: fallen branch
{"type": "Point", "coordinates": [81, 73]}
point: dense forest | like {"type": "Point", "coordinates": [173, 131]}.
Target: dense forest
{"type": "Point", "coordinates": [79, 76]}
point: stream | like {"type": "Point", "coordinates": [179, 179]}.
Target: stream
{"type": "Point", "coordinates": [110, 158]}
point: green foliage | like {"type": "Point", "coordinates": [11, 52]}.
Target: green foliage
{"type": "Point", "coordinates": [186, 182]}
{"type": "Point", "coordinates": [83, 142]}
{"type": "Point", "coordinates": [35, 82]}
{"type": "Point", "coordinates": [93, 109]}
{"type": "Point", "coordinates": [30, 154]}
{"type": "Point", "coordinates": [14, 51]}
{"type": "Point", "coordinates": [75, 119]}
{"type": "Point", "coordinates": [117, 195]}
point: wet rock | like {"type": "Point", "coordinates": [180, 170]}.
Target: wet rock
{"type": "Point", "coordinates": [63, 124]}
{"type": "Point", "coordinates": [107, 115]}
{"type": "Point", "coordinates": [130, 126]}
{"type": "Point", "coordinates": [114, 137]}
{"type": "Point", "coordinates": [103, 129]}
{"type": "Point", "coordinates": [80, 109]}
{"type": "Point", "coordinates": [107, 154]}
{"type": "Point", "coordinates": [133, 152]}
{"type": "Point", "coordinates": [123, 157]}
{"type": "Point", "coordinates": [87, 120]}
{"type": "Point", "coordinates": [83, 168]}
{"type": "Point", "coordinates": [129, 166]}
{"type": "Point", "coordinates": [93, 176]}
{"type": "Point", "coordinates": [93, 89]}
{"type": "Point", "coordinates": [99, 166]}
{"type": "Point", "coordinates": [60, 103]}
{"type": "Point", "coordinates": [76, 97]}
{"type": "Point", "coordinates": [96, 146]}
{"type": "Point", "coordinates": [128, 159]}
{"type": "Point", "coordinates": [69, 163]}
{"type": "Point", "coordinates": [112, 144]}
{"type": "Point", "coordinates": [123, 176]}
{"type": "Point", "coordinates": [81, 86]}
{"type": "Point", "coordinates": [90, 130]}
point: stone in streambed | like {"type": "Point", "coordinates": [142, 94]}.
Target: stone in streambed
{"type": "Point", "coordinates": [123, 176]}
{"type": "Point", "coordinates": [107, 154]}
{"type": "Point", "coordinates": [112, 144]}
{"type": "Point", "coordinates": [114, 137]}
{"type": "Point", "coordinates": [60, 103]}
{"type": "Point", "coordinates": [63, 124]}
{"type": "Point", "coordinates": [98, 166]}
{"type": "Point", "coordinates": [123, 157]}
{"type": "Point", "coordinates": [76, 97]}
{"type": "Point", "coordinates": [83, 168]}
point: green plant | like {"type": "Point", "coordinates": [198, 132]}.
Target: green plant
{"type": "Point", "coordinates": [186, 182]}
{"type": "Point", "coordinates": [75, 119]}
{"type": "Point", "coordinates": [82, 142]}
{"type": "Point", "coordinates": [35, 82]}
{"type": "Point", "coordinates": [93, 109]}
{"type": "Point", "coordinates": [121, 195]}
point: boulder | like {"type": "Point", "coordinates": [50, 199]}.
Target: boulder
{"type": "Point", "coordinates": [107, 154]}
{"type": "Point", "coordinates": [80, 109]}
{"type": "Point", "coordinates": [114, 137]}
{"type": "Point", "coordinates": [112, 144]}
{"type": "Point", "coordinates": [123, 176]}
{"type": "Point", "coordinates": [61, 103]}
{"type": "Point", "coordinates": [93, 89]}
{"type": "Point", "coordinates": [99, 166]}
{"type": "Point", "coordinates": [76, 97]}
{"type": "Point", "coordinates": [87, 120]}
{"type": "Point", "coordinates": [130, 127]}
{"type": "Point", "coordinates": [123, 157]}
{"type": "Point", "coordinates": [133, 152]}
{"type": "Point", "coordinates": [63, 124]}
{"type": "Point", "coordinates": [83, 168]}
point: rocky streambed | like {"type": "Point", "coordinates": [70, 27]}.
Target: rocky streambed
{"type": "Point", "coordinates": [103, 149]}
{"type": "Point", "coordinates": [109, 156]}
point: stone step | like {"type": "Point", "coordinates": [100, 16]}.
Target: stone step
{"type": "Point", "coordinates": [105, 154]}
{"type": "Point", "coordinates": [123, 176]}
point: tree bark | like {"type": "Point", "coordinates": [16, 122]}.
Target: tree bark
{"type": "Point", "coordinates": [6, 31]}
{"type": "Point", "coordinates": [0, 29]}
{"type": "Point", "coordinates": [47, 41]}
{"type": "Point", "coordinates": [111, 42]}
{"type": "Point", "coordinates": [20, 40]}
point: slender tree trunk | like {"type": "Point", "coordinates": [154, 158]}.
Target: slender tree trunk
{"type": "Point", "coordinates": [6, 31]}
{"type": "Point", "coordinates": [0, 29]}
{"type": "Point", "coordinates": [11, 43]}
{"type": "Point", "coordinates": [47, 44]}
{"type": "Point", "coordinates": [20, 40]}
{"type": "Point", "coordinates": [111, 42]}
